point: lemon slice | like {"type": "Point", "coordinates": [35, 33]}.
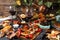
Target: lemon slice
{"type": "Point", "coordinates": [18, 2]}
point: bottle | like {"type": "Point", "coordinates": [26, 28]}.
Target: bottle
{"type": "Point", "coordinates": [24, 2]}
{"type": "Point", "coordinates": [54, 7]}
{"type": "Point", "coordinates": [12, 11]}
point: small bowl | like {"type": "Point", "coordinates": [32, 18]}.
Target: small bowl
{"type": "Point", "coordinates": [44, 27]}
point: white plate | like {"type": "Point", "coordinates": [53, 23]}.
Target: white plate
{"type": "Point", "coordinates": [7, 18]}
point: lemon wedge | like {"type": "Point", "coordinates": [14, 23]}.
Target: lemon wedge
{"type": "Point", "coordinates": [18, 2]}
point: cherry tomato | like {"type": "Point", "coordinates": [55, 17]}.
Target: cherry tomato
{"type": "Point", "coordinates": [25, 26]}
{"type": "Point", "coordinates": [18, 33]}
{"type": "Point", "coordinates": [35, 26]}
{"type": "Point", "coordinates": [36, 21]}
{"type": "Point", "coordinates": [26, 36]}
{"type": "Point", "coordinates": [31, 36]}
{"type": "Point", "coordinates": [39, 30]}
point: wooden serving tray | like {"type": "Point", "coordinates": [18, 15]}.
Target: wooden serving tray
{"type": "Point", "coordinates": [35, 35]}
